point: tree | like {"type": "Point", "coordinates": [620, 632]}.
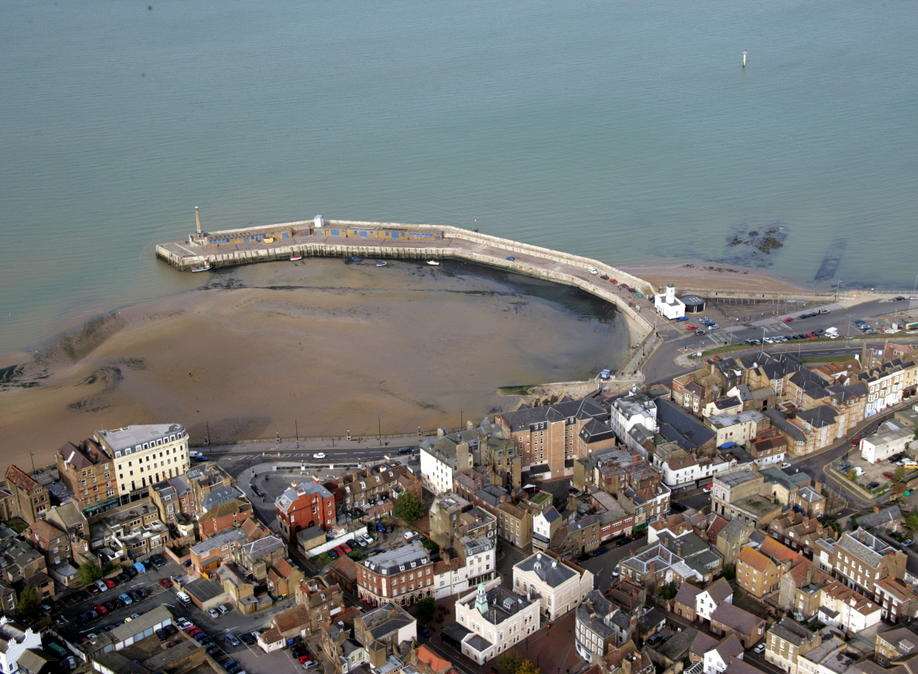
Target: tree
{"type": "Point", "coordinates": [668, 591]}
{"type": "Point", "coordinates": [528, 667]}
{"type": "Point", "coordinates": [88, 573]}
{"type": "Point", "coordinates": [911, 521]}
{"type": "Point", "coordinates": [513, 664]}
{"type": "Point", "coordinates": [27, 603]}
{"type": "Point", "coordinates": [424, 610]}
{"type": "Point", "coordinates": [408, 508]}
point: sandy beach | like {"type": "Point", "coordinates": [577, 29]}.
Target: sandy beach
{"type": "Point", "coordinates": [318, 346]}
{"type": "Point", "coordinates": [710, 276]}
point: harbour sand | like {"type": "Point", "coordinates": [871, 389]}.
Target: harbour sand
{"type": "Point", "coordinates": [317, 346]}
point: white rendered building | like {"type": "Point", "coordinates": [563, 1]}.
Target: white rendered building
{"type": "Point", "coordinates": [559, 587]}
{"type": "Point", "coordinates": [889, 440]}
{"type": "Point", "coordinates": [146, 454]}
{"type": "Point", "coordinates": [668, 305]}
{"type": "Point", "coordinates": [455, 577]}
{"type": "Point", "coordinates": [13, 643]}
{"type": "Point", "coordinates": [497, 618]}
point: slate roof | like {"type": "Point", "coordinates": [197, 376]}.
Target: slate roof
{"type": "Point", "coordinates": [677, 425]}
{"type": "Point", "coordinates": [864, 545]}
{"type": "Point", "coordinates": [780, 421]}
{"type": "Point", "coordinates": [548, 570]}
{"type": "Point", "coordinates": [578, 409]}
{"type": "Point", "coordinates": [791, 631]}
{"type": "Point", "coordinates": [811, 383]}
{"type": "Point", "coordinates": [737, 618]}
{"type": "Point", "coordinates": [773, 365]}
{"type": "Point", "coordinates": [819, 417]}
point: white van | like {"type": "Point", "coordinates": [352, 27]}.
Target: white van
{"type": "Point", "coordinates": [183, 597]}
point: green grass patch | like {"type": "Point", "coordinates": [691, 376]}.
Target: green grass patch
{"type": "Point", "coordinates": [516, 390]}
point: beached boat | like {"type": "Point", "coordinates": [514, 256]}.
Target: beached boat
{"type": "Point", "coordinates": [296, 257]}
{"type": "Point", "coordinates": [205, 266]}
{"type": "Point", "coordinates": [433, 263]}
{"type": "Point", "coordinates": [381, 263]}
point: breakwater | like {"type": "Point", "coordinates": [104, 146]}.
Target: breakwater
{"type": "Point", "coordinates": [343, 238]}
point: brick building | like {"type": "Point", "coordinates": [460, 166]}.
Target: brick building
{"type": "Point", "coordinates": [306, 505]}
{"type": "Point", "coordinates": [89, 473]}
{"type": "Point", "coordinates": [401, 575]}
{"type": "Point", "coordinates": [549, 436]}
{"type": "Point", "coordinates": [30, 499]}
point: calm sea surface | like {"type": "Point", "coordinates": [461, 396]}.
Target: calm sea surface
{"type": "Point", "coordinates": [623, 130]}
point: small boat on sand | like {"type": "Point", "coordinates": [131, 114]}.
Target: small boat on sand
{"type": "Point", "coordinates": [381, 263]}
{"type": "Point", "coordinates": [296, 257]}
{"type": "Point", "coordinates": [433, 263]}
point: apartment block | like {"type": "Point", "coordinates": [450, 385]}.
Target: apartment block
{"type": "Point", "coordinates": [144, 454]}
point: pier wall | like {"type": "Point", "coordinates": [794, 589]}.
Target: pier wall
{"type": "Point", "coordinates": [450, 243]}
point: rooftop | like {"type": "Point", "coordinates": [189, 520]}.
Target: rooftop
{"type": "Point", "coordinates": [134, 437]}
{"type": "Point", "coordinates": [502, 603]}
{"type": "Point", "coordinates": [402, 558]}
{"type": "Point", "coordinates": [547, 569]}
{"type": "Point", "coordinates": [291, 494]}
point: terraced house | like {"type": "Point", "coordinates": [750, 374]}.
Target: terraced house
{"type": "Point", "coordinates": [861, 560]}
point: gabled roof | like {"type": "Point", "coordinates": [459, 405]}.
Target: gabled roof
{"type": "Point", "coordinates": [737, 618]}
{"type": "Point", "coordinates": [755, 559]}
{"type": "Point", "coordinates": [585, 408]}
{"type": "Point", "coordinates": [719, 590]}
{"type": "Point", "coordinates": [819, 417]}
{"type": "Point", "coordinates": [677, 425]}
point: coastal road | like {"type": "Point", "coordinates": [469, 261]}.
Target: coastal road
{"type": "Point", "coordinates": [661, 367]}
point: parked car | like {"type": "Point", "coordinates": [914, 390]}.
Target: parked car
{"type": "Point", "coordinates": [786, 464]}
{"type": "Point", "coordinates": [125, 599]}
{"type": "Point", "coordinates": [183, 597]}
{"type": "Point", "coordinates": [165, 583]}
{"type": "Point", "coordinates": [183, 622]}
{"type": "Point", "coordinates": [230, 639]}
{"type": "Point", "coordinates": [213, 613]}
{"type": "Point", "coordinates": [224, 609]}
{"type": "Point", "coordinates": [593, 270]}
{"type": "Point", "coordinates": [101, 586]}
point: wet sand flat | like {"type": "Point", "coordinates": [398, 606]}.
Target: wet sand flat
{"type": "Point", "coordinates": [320, 346]}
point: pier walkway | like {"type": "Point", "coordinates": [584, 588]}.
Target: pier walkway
{"type": "Point", "coordinates": [343, 238]}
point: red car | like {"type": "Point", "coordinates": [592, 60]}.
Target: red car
{"type": "Point", "coordinates": [789, 320]}
{"type": "Point", "coordinates": [194, 631]}
{"type": "Point", "coordinates": [691, 327]}
{"type": "Point", "coordinates": [303, 659]}
{"type": "Point", "coordinates": [165, 583]}
{"type": "Point", "coordinates": [100, 609]}
{"type": "Point", "coordinates": [110, 583]}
